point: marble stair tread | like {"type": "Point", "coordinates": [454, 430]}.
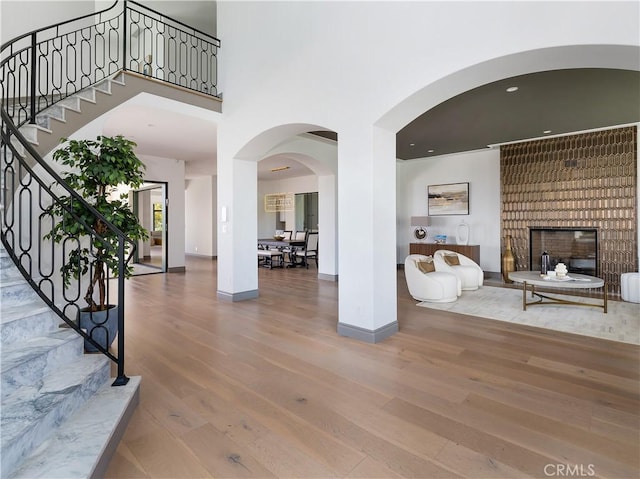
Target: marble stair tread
{"type": "Point", "coordinates": [31, 413]}
{"type": "Point", "coordinates": [31, 360]}
{"type": "Point", "coordinates": [12, 280]}
{"type": "Point", "coordinates": [13, 355]}
{"type": "Point", "coordinates": [24, 321]}
{"type": "Point", "coordinates": [83, 445]}
{"type": "Point", "coordinates": [8, 270]}
{"type": "Point", "coordinates": [10, 273]}
{"type": "Point", "coordinates": [12, 313]}
{"type": "Point", "coordinates": [14, 291]}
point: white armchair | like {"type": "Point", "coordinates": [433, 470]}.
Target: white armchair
{"type": "Point", "coordinates": [435, 286]}
{"type": "Point", "coordinates": [470, 274]}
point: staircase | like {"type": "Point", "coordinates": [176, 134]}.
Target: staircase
{"type": "Point", "coordinates": [68, 115]}
{"type": "Point", "coordinates": [60, 415]}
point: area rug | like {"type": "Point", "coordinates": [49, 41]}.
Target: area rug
{"type": "Point", "coordinates": [621, 323]}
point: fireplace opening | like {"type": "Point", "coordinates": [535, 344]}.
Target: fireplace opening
{"type": "Point", "coordinates": [575, 247]}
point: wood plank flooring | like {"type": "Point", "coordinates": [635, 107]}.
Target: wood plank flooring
{"type": "Point", "coordinates": [266, 388]}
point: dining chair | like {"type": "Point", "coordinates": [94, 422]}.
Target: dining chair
{"type": "Point", "coordinates": [301, 235]}
{"type": "Point", "coordinates": [286, 250]}
{"type": "Point", "coordinates": [310, 250]}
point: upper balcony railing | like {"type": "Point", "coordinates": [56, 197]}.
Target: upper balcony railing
{"type": "Point", "coordinates": [47, 65]}
{"type": "Point", "coordinates": [39, 69]}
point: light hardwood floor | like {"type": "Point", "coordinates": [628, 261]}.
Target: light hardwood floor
{"type": "Point", "coordinates": [266, 388]}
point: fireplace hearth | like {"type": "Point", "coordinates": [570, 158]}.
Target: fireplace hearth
{"type": "Point", "coordinates": [575, 247]}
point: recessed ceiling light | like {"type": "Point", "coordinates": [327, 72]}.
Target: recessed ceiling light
{"type": "Point", "coordinates": [430, 151]}
{"type": "Point", "coordinates": [511, 89]}
{"type": "Point", "coordinates": [280, 168]}
{"type": "Point", "coordinates": [546, 132]}
{"type": "Point", "coordinates": [412, 144]}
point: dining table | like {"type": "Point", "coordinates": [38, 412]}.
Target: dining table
{"type": "Point", "coordinates": [291, 244]}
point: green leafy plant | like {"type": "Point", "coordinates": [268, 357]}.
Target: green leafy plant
{"type": "Point", "coordinates": [98, 167]}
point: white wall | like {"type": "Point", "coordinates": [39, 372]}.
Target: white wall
{"type": "Point", "coordinates": [15, 22]}
{"type": "Point", "coordinates": [481, 169]}
{"type": "Point", "coordinates": [200, 14]}
{"type": "Point", "coordinates": [200, 216]}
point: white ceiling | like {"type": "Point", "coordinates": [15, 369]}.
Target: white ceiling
{"type": "Point", "coordinates": [165, 128]}
{"type": "Point", "coordinates": [295, 169]}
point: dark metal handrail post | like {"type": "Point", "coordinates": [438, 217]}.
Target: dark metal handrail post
{"type": "Point", "coordinates": [124, 37]}
{"type": "Point", "coordinates": [121, 380]}
{"type": "Point", "coordinates": [32, 82]}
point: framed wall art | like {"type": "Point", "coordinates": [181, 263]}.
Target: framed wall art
{"type": "Point", "coordinates": [449, 199]}
{"type": "Point", "coordinates": [275, 202]}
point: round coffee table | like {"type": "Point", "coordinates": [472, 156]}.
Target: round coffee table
{"type": "Point", "coordinates": [571, 281]}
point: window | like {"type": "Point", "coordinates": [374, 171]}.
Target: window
{"type": "Point", "coordinates": [157, 217]}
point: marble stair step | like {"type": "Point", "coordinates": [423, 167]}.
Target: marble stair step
{"type": "Point", "coordinates": [5, 259]}
{"type": "Point", "coordinates": [16, 291]}
{"type": "Point", "coordinates": [29, 361]}
{"type": "Point", "coordinates": [83, 445]}
{"type": "Point", "coordinates": [27, 320]}
{"type": "Point", "coordinates": [8, 271]}
{"type": "Point", "coordinates": [32, 412]}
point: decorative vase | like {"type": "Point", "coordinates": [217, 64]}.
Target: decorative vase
{"type": "Point", "coordinates": [462, 234]}
{"type": "Point", "coordinates": [545, 263]}
{"type": "Point", "coordinates": [508, 261]}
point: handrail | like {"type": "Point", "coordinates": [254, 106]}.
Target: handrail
{"type": "Point", "coordinates": [55, 25]}
{"type": "Point", "coordinates": [37, 70]}
{"type": "Point", "coordinates": [174, 20]}
{"type": "Point", "coordinates": [33, 35]}
{"type": "Point", "coordinates": [195, 70]}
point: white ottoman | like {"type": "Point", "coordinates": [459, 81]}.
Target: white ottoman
{"type": "Point", "coordinates": [630, 287]}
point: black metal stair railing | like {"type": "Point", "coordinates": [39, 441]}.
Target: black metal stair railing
{"type": "Point", "coordinates": [47, 65]}
{"type": "Point", "coordinates": [43, 67]}
{"type": "Point", "coordinates": [27, 193]}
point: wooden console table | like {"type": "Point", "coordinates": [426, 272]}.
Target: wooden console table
{"type": "Point", "coordinates": [469, 250]}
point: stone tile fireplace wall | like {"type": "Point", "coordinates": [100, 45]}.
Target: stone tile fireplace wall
{"type": "Point", "coordinates": [578, 181]}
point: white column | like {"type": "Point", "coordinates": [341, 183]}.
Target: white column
{"type": "Point", "coordinates": [237, 229]}
{"type": "Point", "coordinates": [367, 239]}
{"type": "Point", "coordinates": [328, 228]}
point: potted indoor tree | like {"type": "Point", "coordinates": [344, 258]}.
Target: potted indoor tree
{"type": "Point", "coordinates": [97, 168]}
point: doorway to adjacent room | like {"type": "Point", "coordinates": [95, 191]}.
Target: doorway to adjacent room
{"type": "Point", "coordinates": [150, 205]}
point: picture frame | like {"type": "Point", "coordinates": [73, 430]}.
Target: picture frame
{"type": "Point", "coordinates": [451, 199]}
